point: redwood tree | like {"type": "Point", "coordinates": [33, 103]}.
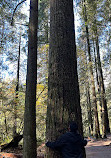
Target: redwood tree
{"type": "Point", "coordinates": [29, 147]}
{"type": "Point", "coordinates": [63, 88]}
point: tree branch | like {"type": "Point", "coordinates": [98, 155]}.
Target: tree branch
{"type": "Point", "coordinates": [15, 10]}
{"type": "Point", "coordinates": [41, 93]}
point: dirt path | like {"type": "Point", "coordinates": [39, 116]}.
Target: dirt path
{"type": "Point", "coordinates": [99, 149]}
{"type": "Point", "coordinates": [94, 149]}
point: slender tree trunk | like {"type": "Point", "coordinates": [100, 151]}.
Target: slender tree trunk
{"type": "Point", "coordinates": [89, 106]}
{"type": "Point", "coordinates": [63, 88]}
{"type": "Point", "coordinates": [1, 41]}
{"type": "Point", "coordinates": [29, 145]}
{"type": "Point", "coordinates": [97, 130]}
{"type": "Point", "coordinates": [16, 93]}
{"type": "Point", "coordinates": [6, 130]}
{"type": "Point", "coordinates": [96, 67]}
{"type": "Point", "coordinates": [106, 128]}
{"type": "Point", "coordinates": [89, 110]}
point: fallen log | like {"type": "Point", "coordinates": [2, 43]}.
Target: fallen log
{"type": "Point", "coordinates": [13, 144]}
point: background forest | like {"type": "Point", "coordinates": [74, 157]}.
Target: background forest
{"type": "Point", "coordinates": [93, 42]}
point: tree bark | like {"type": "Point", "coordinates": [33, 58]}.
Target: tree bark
{"type": "Point", "coordinates": [63, 88]}
{"type": "Point", "coordinates": [29, 145]}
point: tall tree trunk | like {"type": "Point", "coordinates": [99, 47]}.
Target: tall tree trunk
{"type": "Point", "coordinates": [16, 93]}
{"type": "Point", "coordinates": [89, 106]}
{"type": "Point", "coordinates": [98, 86]}
{"type": "Point", "coordinates": [97, 130]}
{"type": "Point", "coordinates": [90, 119]}
{"type": "Point", "coordinates": [29, 145]}
{"type": "Point", "coordinates": [106, 128]}
{"type": "Point", "coordinates": [5, 121]}
{"type": "Point", "coordinates": [63, 88]}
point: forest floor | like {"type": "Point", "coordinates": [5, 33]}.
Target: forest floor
{"type": "Point", "coordinates": [95, 149]}
{"type": "Point", "coordinates": [99, 148]}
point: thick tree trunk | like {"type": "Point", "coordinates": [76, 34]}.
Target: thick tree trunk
{"type": "Point", "coordinates": [29, 146]}
{"type": "Point", "coordinates": [63, 88]}
{"type": "Point", "coordinates": [97, 130]}
{"type": "Point", "coordinates": [106, 128]}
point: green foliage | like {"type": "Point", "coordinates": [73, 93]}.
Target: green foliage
{"type": "Point", "coordinates": [42, 91]}
{"type": "Point", "coordinates": [43, 20]}
{"type": "Point", "coordinates": [7, 110]}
